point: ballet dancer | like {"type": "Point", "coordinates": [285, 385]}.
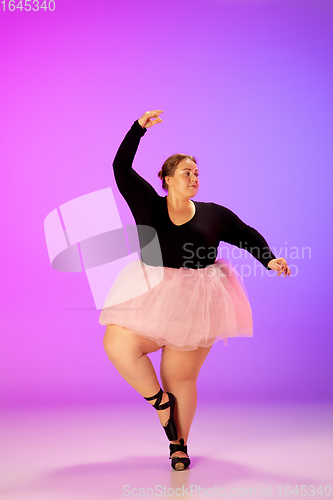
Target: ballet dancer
{"type": "Point", "coordinates": [199, 300]}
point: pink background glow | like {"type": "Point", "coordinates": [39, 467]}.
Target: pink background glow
{"type": "Point", "coordinates": [246, 87]}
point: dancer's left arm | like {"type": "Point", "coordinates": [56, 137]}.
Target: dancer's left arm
{"type": "Point", "coordinates": [240, 234]}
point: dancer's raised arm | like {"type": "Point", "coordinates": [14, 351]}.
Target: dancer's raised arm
{"type": "Point", "coordinates": [137, 191]}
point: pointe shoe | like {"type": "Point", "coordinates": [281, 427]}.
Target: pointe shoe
{"type": "Point", "coordinates": [170, 427]}
{"type": "Point", "coordinates": [179, 463]}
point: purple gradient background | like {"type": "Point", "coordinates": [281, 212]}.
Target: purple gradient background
{"type": "Point", "coordinates": [246, 87]}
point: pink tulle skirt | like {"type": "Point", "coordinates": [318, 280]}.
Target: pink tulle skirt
{"type": "Point", "coordinates": [181, 308]}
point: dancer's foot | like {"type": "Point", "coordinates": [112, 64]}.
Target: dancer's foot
{"type": "Point", "coordinates": [179, 454]}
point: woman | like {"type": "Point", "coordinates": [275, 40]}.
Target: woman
{"type": "Point", "coordinates": [198, 300]}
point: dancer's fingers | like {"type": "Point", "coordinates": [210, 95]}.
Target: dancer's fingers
{"type": "Point", "coordinates": [155, 112]}
{"type": "Point", "coordinates": [158, 120]}
{"type": "Point", "coordinates": [281, 270]}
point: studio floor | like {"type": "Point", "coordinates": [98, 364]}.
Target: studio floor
{"type": "Point", "coordinates": [117, 451]}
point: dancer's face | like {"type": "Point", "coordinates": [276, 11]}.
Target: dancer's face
{"type": "Point", "coordinates": [186, 175]}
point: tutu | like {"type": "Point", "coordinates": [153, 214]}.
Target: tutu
{"type": "Point", "coordinates": [181, 308]}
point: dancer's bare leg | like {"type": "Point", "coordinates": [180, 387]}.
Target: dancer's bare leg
{"type": "Point", "coordinates": [128, 353]}
{"type": "Point", "coordinates": [179, 372]}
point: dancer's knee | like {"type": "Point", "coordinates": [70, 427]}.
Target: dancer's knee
{"type": "Point", "coordinates": [185, 375]}
{"type": "Point", "coordinates": [121, 344]}
{"type": "Point", "coordinates": [117, 343]}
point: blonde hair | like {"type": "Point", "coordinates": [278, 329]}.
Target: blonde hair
{"type": "Point", "coordinates": [170, 165]}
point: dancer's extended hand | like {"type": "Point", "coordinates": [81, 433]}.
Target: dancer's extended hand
{"type": "Point", "coordinates": [147, 120]}
{"type": "Point", "coordinates": [280, 265]}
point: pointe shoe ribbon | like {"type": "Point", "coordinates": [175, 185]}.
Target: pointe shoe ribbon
{"type": "Point", "coordinates": [170, 427]}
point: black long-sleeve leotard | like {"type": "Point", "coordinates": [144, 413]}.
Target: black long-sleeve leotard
{"type": "Point", "coordinates": [193, 244]}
